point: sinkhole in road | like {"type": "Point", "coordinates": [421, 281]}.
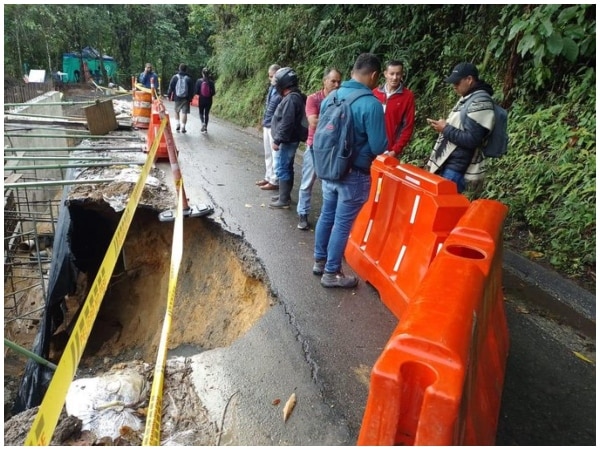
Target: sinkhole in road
{"type": "Point", "coordinates": [220, 288]}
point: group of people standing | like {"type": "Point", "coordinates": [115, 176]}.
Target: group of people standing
{"type": "Point", "coordinates": [383, 124]}
{"type": "Point", "coordinates": [377, 129]}
{"type": "Point", "coordinates": [182, 91]}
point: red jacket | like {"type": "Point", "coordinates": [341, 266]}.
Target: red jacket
{"type": "Point", "coordinates": [399, 117]}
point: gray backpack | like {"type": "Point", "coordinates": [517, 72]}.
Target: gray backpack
{"type": "Point", "coordinates": [496, 142]}
{"type": "Point", "coordinates": [181, 88]}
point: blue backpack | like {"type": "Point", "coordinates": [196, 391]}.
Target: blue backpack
{"type": "Point", "coordinates": [496, 143]}
{"type": "Point", "coordinates": [333, 143]}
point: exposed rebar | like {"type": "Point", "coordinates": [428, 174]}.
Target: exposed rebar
{"type": "Point", "coordinates": [86, 136]}
{"type": "Point", "coordinates": [57, 183]}
{"type": "Point", "coordinates": [17, 348]}
{"type": "Point", "coordinates": [73, 166]}
{"type": "Point", "coordinates": [66, 149]}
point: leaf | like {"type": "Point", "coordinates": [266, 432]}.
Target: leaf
{"type": "Point", "coordinates": [586, 359]}
{"type": "Point", "coordinates": [570, 49]}
{"type": "Point", "coordinates": [533, 254]}
{"type": "Point", "coordinates": [289, 406]}
{"type": "Point", "coordinates": [554, 44]}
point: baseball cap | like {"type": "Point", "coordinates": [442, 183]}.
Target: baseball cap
{"type": "Point", "coordinates": [461, 71]}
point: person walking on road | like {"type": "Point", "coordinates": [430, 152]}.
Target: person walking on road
{"type": "Point", "coordinates": [343, 199]}
{"type": "Point", "coordinates": [331, 81]}
{"type": "Point", "coordinates": [287, 132]}
{"type": "Point", "coordinates": [181, 90]}
{"type": "Point", "coordinates": [456, 155]}
{"type": "Point", "coordinates": [205, 89]}
{"type": "Point", "coordinates": [398, 106]}
{"type": "Point", "coordinates": [270, 181]}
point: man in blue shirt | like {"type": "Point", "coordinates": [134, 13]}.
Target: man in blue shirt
{"type": "Point", "coordinates": [343, 199]}
{"type": "Point", "coordinates": [147, 75]}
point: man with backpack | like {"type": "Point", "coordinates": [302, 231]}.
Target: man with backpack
{"type": "Point", "coordinates": [457, 152]}
{"type": "Point", "coordinates": [181, 90]}
{"type": "Point", "coordinates": [346, 190]}
{"type": "Point", "coordinates": [205, 89]}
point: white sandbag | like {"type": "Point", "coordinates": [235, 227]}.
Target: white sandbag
{"type": "Point", "coordinates": [106, 403]}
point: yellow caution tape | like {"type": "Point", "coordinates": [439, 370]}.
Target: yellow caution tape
{"type": "Point", "coordinates": [46, 419]}
{"type": "Point", "coordinates": [153, 418]}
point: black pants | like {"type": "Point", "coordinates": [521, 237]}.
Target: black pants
{"type": "Point", "coordinates": [204, 107]}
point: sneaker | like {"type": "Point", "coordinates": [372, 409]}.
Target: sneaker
{"type": "Point", "coordinates": [183, 130]}
{"type": "Point", "coordinates": [203, 129]}
{"type": "Point", "coordinates": [331, 280]}
{"type": "Point", "coordinates": [319, 267]}
{"type": "Point", "coordinates": [178, 128]}
{"type": "Point", "coordinates": [303, 222]}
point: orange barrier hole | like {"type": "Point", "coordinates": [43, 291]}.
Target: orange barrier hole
{"type": "Point", "coordinates": [416, 378]}
{"type": "Point", "coordinates": [465, 252]}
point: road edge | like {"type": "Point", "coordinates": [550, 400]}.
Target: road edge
{"type": "Point", "coordinates": [559, 296]}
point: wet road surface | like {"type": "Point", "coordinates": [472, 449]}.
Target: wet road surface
{"type": "Point", "coordinates": [322, 343]}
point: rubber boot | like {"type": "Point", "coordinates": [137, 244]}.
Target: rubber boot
{"type": "Point", "coordinates": [284, 200]}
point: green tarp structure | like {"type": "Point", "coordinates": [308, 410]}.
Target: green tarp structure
{"type": "Point", "coordinates": [91, 57]}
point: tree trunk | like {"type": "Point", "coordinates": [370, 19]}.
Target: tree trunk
{"type": "Point", "coordinates": [19, 47]}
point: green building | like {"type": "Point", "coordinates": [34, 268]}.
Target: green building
{"type": "Point", "coordinates": [90, 57]}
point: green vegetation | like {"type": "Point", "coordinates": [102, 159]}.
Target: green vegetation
{"type": "Point", "coordinates": [539, 58]}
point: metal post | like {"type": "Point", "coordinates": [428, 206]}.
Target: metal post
{"type": "Point", "coordinates": [67, 149]}
{"type": "Point", "coordinates": [172, 151]}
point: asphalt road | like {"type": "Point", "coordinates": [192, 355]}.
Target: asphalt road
{"type": "Point", "coordinates": [321, 344]}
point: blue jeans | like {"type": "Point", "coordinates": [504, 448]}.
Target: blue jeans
{"type": "Point", "coordinates": [284, 160]}
{"type": "Point", "coordinates": [342, 201]}
{"type": "Point", "coordinates": [457, 177]}
{"type": "Point", "coordinates": [306, 184]}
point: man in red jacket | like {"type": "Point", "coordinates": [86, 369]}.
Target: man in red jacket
{"type": "Point", "coordinates": [399, 108]}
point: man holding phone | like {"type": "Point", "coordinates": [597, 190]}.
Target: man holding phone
{"type": "Point", "coordinates": [456, 155]}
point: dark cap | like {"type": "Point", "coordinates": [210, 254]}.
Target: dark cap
{"type": "Point", "coordinates": [461, 71]}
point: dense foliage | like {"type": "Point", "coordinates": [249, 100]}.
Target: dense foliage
{"type": "Point", "coordinates": [540, 59]}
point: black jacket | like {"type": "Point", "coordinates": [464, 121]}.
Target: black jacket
{"type": "Point", "coordinates": [286, 125]}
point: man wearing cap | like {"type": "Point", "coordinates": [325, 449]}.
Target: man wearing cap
{"type": "Point", "coordinates": [456, 155]}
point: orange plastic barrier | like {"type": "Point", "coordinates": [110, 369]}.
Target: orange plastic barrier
{"type": "Point", "coordinates": [162, 152]}
{"type": "Point", "coordinates": [401, 228]}
{"type": "Point", "coordinates": [439, 379]}
{"type": "Point", "coordinates": [142, 105]}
